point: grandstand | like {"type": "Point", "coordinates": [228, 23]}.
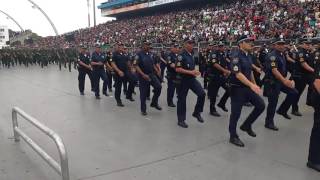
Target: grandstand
{"type": "Point", "coordinates": [131, 8]}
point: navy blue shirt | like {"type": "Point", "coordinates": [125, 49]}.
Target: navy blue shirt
{"type": "Point", "coordinates": [145, 61]}
{"type": "Point", "coordinates": [241, 62]}
{"type": "Point", "coordinates": [186, 61]}
{"type": "Point", "coordinates": [276, 60]}
{"type": "Point", "coordinates": [212, 60]}
{"type": "Point", "coordinates": [98, 57]}
{"type": "Point", "coordinates": [121, 60]}
{"type": "Point", "coordinates": [171, 59]}
{"type": "Point", "coordinates": [85, 58]}
{"type": "Point", "coordinates": [317, 66]}
{"type": "Point", "coordinates": [304, 57]}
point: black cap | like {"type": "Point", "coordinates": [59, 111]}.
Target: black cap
{"type": "Point", "coordinates": [245, 38]}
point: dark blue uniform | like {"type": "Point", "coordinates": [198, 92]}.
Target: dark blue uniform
{"type": "Point", "coordinates": [302, 77]}
{"type": "Point", "coordinates": [171, 77]}
{"type": "Point", "coordinates": [217, 80]}
{"type": "Point", "coordinates": [122, 62]}
{"type": "Point", "coordinates": [314, 148]}
{"type": "Point", "coordinates": [276, 60]}
{"type": "Point", "coordinates": [186, 61]}
{"type": "Point", "coordinates": [146, 63]}
{"type": "Point", "coordinates": [83, 71]}
{"type": "Point", "coordinates": [99, 72]}
{"type": "Point", "coordinates": [241, 94]}
{"type": "Point", "coordinates": [109, 73]}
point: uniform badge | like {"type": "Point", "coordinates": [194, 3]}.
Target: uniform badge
{"type": "Point", "coordinates": [294, 56]}
{"type": "Point", "coordinates": [169, 58]}
{"type": "Point", "coordinates": [102, 57]}
{"type": "Point", "coordinates": [214, 56]}
{"type": "Point", "coordinates": [180, 58]}
{"type": "Point", "coordinates": [136, 57]}
{"type": "Point", "coordinates": [301, 55]}
{"type": "Point", "coordinates": [273, 64]}
{"type": "Point", "coordinates": [272, 58]}
{"type": "Point", "coordinates": [235, 68]}
{"type": "Point", "coordinates": [235, 60]}
{"type": "Point", "coordinates": [307, 55]}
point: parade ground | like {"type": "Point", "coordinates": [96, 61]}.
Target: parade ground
{"type": "Point", "coordinates": [106, 142]}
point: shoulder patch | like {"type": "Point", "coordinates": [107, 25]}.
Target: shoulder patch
{"type": "Point", "coordinates": [301, 55]}
{"type": "Point", "coordinates": [169, 58]}
{"type": "Point", "coordinates": [272, 58]}
{"type": "Point", "coordinates": [294, 55]}
{"type": "Point", "coordinates": [235, 60]}
{"type": "Point", "coordinates": [214, 56]}
{"type": "Point", "coordinates": [136, 57]}
{"type": "Point", "coordinates": [235, 68]}
{"type": "Point", "coordinates": [180, 58]}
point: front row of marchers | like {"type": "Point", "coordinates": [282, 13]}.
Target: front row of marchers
{"type": "Point", "coordinates": [237, 70]}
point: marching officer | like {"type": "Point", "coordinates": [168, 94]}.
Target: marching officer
{"type": "Point", "coordinates": [314, 148]}
{"type": "Point", "coordinates": [185, 66]}
{"type": "Point", "coordinates": [217, 72]}
{"type": "Point", "coordinates": [121, 65]}
{"type": "Point", "coordinates": [84, 69]}
{"type": "Point", "coordinates": [171, 73]}
{"type": "Point", "coordinates": [257, 66]}
{"type": "Point", "coordinates": [304, 73]}
{"type": "Point", "coordinates": [243, 89]}
{"type": "Point", "coordinates": [148, 71]}
{"type": "Point", "coordinates": [98, 61]}
{"type": "Point", "coordinates": [109, 71]}
{"type": "Point", "coordinates": [276, 82]}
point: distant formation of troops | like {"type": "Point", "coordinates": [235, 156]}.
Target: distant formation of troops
{"type": "Point", "coordinates": [242, 70]}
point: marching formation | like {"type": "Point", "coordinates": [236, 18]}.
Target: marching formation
{"type": "Point", "coordinates": [242, 71]}
{"type": "Point", "coordinates": [245, 71]}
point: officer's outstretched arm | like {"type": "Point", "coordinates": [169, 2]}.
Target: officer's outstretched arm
{"type": "Point", "coordinates": [115, 67]}
{"type": "Point", "coordinates": [220, 68]}
{"type": "Point", "coordinates": [184, 71]}
{"type": "Point", "coordinates": [307, 67]}
{"type": "Point", "coordinates": [244, 80]}
{"type": "Point", "coordinates": [317, 85]}
{"type": "Point", "coordinates": [278, 75]}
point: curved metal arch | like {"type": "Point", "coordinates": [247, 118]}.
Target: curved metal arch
{"type": "Point", "coordinates": [47, 17]}
{"type": "Point", "coordinates": [10, 17]}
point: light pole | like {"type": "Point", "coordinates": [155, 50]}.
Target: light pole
{"type": "Point", "coordinates": [34, 5]}
{"type": "Point", "coordinates": [10, 17]}
{"type": "Point", "coordinates": [88, 4]}
{"type": "Point", "coordinates": [94, 13]}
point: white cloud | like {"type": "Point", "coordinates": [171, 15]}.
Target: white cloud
{"type": "Point", "coordinates": [67, 15]}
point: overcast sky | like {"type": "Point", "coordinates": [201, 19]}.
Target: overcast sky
{"type": "Point", "coordinates": [67, 15]}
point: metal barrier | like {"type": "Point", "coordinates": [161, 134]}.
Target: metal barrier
{"type": "Point", "coordinates": [61, 169]}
